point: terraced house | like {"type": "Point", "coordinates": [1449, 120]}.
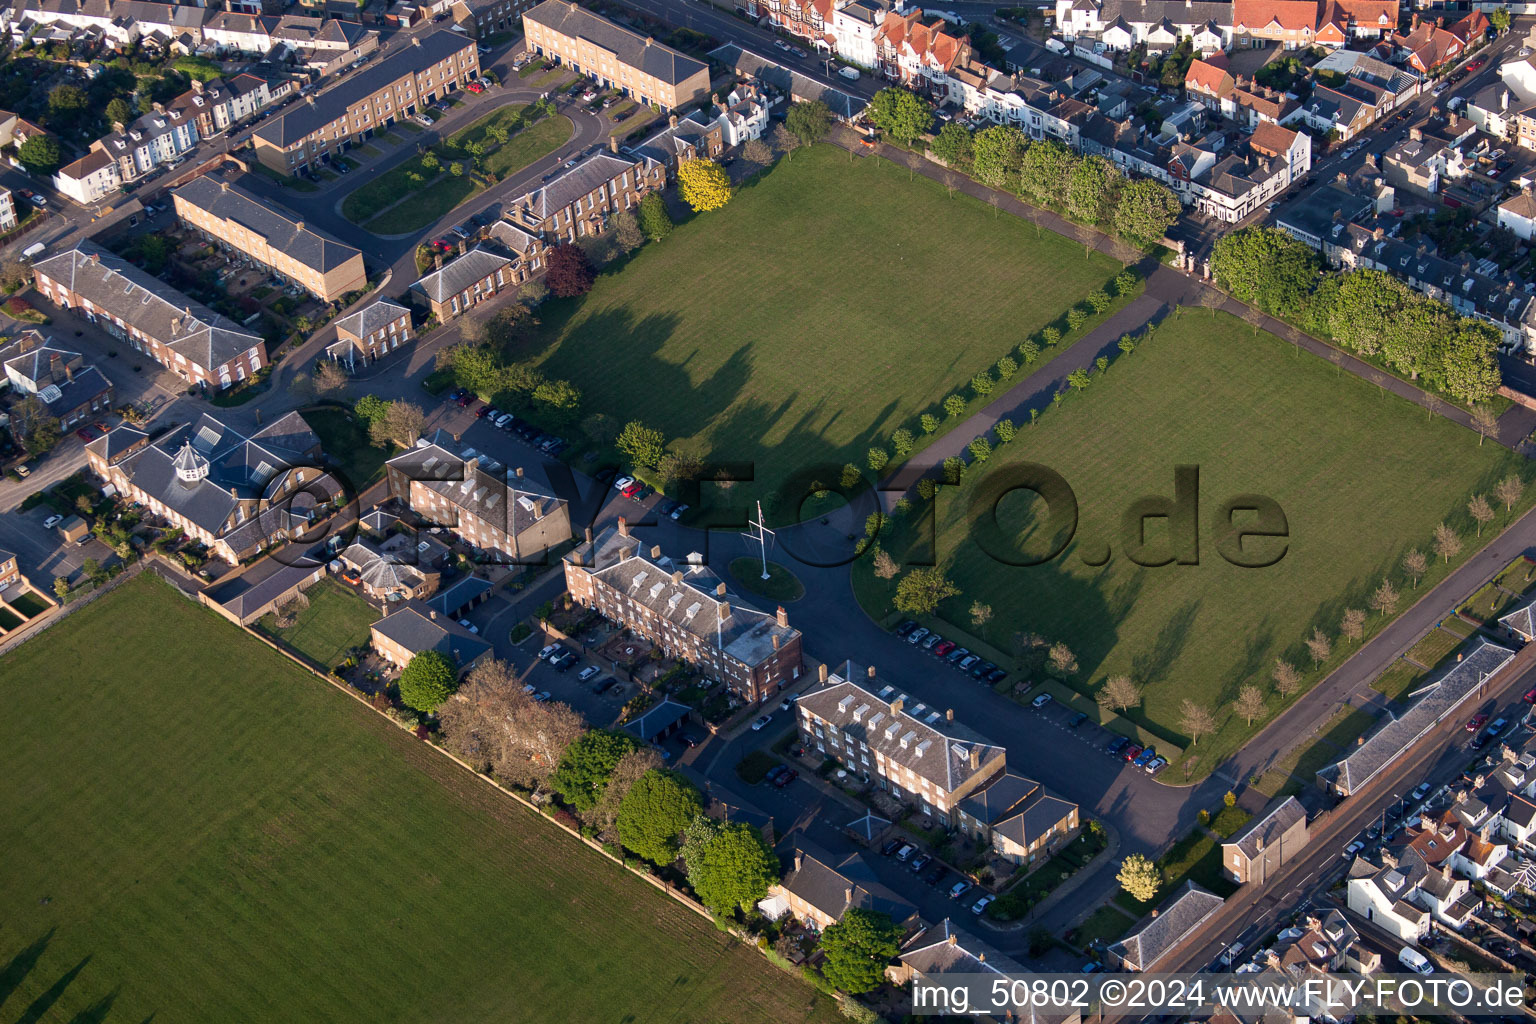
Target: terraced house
{"type": "Point", "coordinates": [578, 202]}
{"type": "Point", "coordinates": [916, 753]}
{"type": "Point", "coordinates": [326, 124]}
{"type": "Point", "coordinates": [373, 331]}
{"type": "Point", "coordinates": [617, 58]}
{"type": "Point", "coordinates": [197, 344]}
{"type": "Point", "coordinates": [233, 493]}
{"type": "Point", "coordinates": [237, 221]}
{"type": "Point", "coordinates": [505, 519]}
{"type": "Point", "coordinates": [686, 610]}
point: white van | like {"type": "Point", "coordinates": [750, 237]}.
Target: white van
{"type": "Point", "coordinates": [852, 74]}
{"type": "Point", "coordinates": [33, 251]}
{"type": "Point", "coordinates": [1414, 960]}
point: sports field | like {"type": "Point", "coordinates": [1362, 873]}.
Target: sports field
{"type": "Point", "coordinates": [828, 304]}
{"type": "Point", "coordinates": [1360, 475]}
{"type": "Point", "coordinates": [195, 830]}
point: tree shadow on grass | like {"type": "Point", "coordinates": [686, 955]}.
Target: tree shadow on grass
{"type": "Point", "coordinates": [43, 1003]}
{"type": "Point", "coordinates": [22, 964]}
{"type": "Point", "coordinates": [97, 1012]}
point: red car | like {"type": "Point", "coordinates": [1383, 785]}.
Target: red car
{"type": "Point", "coordinates": [1530, 697]}
{"type": "Point", "coordinates": [1475, 65]}
{"type": "Point", "coordinates": [1476, 722]}
{"type": "Point", "coordinates": [1131, 752]}
{"type": "Point", "coordinates": [944, 648]}
{"type": "Point", "coordinates": [475, 87]}
{"type": "Point", "coordinates": [86, 434]}
{"type": "Point", "coordinates": [632, 490]}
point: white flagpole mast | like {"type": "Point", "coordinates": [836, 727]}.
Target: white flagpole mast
{"type": "Point", "coordinates": [761, 536]}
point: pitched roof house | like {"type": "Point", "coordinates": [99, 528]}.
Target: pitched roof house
{"type": "Point", "coordinates": [1141, 949]}
{"type": "Point", "coordinates": [821, 887]}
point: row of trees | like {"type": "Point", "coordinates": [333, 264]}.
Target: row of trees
{"type": "Point", "coordinates": [1089, 189]}
{"type": "Point", "coordinates": [617, 787]}
{"type": "Point", "coordinates": [486, 361]}
{"type": "Point", "coordinates": [1368, 312]}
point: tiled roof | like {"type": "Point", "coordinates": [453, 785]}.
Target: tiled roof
{"type": "Point", "coordinates": [511, 505]}
{"type": "Point", "coordinates": [1209, 75]}
{"type": "Point", "coordinates": [945, 948]}
{"type": "Point", "coordinates": [585, 178]}
{"type": "Point", "coordinates": [375, 316]}
{"type": "Point", "coordinates": [650, 57]}
{"type": "Point", "coordinates": [834, 884]}
{"type": "Point", "coordinates": [787, 80]}
{"type": "Point", "coordinates": [1458, 683]}
{"type": "Point", "coordinates": [262, 583]}
{"type": "Point", "coordinates": [1291, 15]}
{"type": "Point", "coordinates": [1185, 911]}
{"type": "Point", "coordinates": [315, 112]}
{"type": "Point", "coordinates": [460, 273]}
{"type": "Point", "coordinates": [1269, 827]}
{"type": "Point", "coordinates": [1522, 205]}
{"type": "Point", "coordinates": [417, 632]}
{"type": "Point", "coordinates": [314, 249]}
{"type": "Point", "coordinates": [115, 286]}
{"type": "Point", "coordinates": [913, 735]}
{"type": "Point", "coordinates": [1036, 819]}
{"type": "Point", "coordinates": [1271, 139]}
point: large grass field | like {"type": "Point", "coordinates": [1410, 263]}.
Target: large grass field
{"type": "Point", "coordinates": [196, 830]}
{"type": "Point", "coordinates": [1361, 476]}
{"type": "Point", "coordinates": [829, 303]}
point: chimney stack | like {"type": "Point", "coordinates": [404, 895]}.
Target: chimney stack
{"type": "Point", "coordinates": [954, 939]}
{"type": "Point", "coordinates": [870, 671]}
{"type": "Point", "coordinates": [433, 613]}
{"type": "Point", "coordinates": [775, 639]}
{"type": "Point", "coordinates": [847, 895]}
{"type": "Point", "coordinates": [519, 472]}
{"type": "Point", "coordinates": [725, 610]}
{"type": "Point", "coordinates": [720, 590]}
{"type": "Point", "coordinates": [896, 706]}
{"type": "Point", "coordinates": [783, 618]}
{"type": "Point", "coordinates": [589, 535]}
{"type": "Point", "coordinates": [799, 859]}
{"type": "Point", "coordinates": [821, 674]}
{"type": "Point", "coordinates": [655, 550]}
{"type": "Point", "coordinates": [672, 121]}
{"type": "Point", "coordinates": [949, 714]}
{"type": "Point", "coordinates": [975, 758]}
{"type": "Point", "coordinates": [677, 576]}
{"type": "Point", "coordinates": [623, 527]}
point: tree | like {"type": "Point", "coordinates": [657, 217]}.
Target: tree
{"type": "Point", "coordinates": [1045, 171]}
{"type": "Point", "coordinates": [654, 220]}
{"type": "Point", "coordinates": [1092, 188]}
{"type": "Point", "coordinates": [885, 566]}
{"type": "Point", "coordinates": [560, 396]}
{"type": "Point", "coordinates": [1467, 368]}
{"type": "Point", "coordinates": [654, 813]}
{"type": "Point", "coordinates": [1079, 379]}
{"type": "Point", "coordinates": [40, 154]}
{"type": "Point", "coordinates": [1415, 565]}
{"type": "Point", "coordinates": [644, 445]}
{"type": "Point", "coordinates": [370, 409]}
{"type": "Point", "coordinates": [626, 231]}
{"type": "Point", "coordinates": [1319, 646]}
{"type": "Point", "coordinates": [1250, 703]}
{"type": "Point", "coordinates": [61, 587]}
{"type": "Point", "coordinates": [587, 764]}
{"type": "Point", "coordinates": [703, 184]}
{"type": "Point", "coordinates": [981, 614]}
{"type": "Point", "coordinates": [1287, 678]}
{"type": "Point", "coordinates": [809, 122]}
{"type": "Point", "coordinates": [1005, 430]}
{"type": "Point", "coordinates": [983, 384]}
{"type": "Point", "coordinates": [953, 146]}
{"type": "Point", "coordinates": [1447, 543]}
{"type": "Point", "coordinates": [37, 431]}
{"type": "Point", "coordinates": [857, 949]}
{"type": "Point", "coordinates": [899, 113]}
{"type": "Point", "coordinates": [1384, 599]}
{"type": "Point", "coordinates": [1118, 694]}
{"type": "Point", "coordinates": [1352, 624]}
{"type": "Point", "coordinates": [901, 441]}
{"type": "Point", "coordinates": [456, 169]}
{"type": "Point", "coordinates": [920, 591]}
{"type": "Point", "coordinates": [329, 376]}
{"type": "Point", "coordinates": [785, 141]}
{"type": "Point", "coordinates": [67, 101]}
{"type": "Point", "coordinates": [401, 425]}
{"type": "Point", "coordinates": [118, 111]}
{"type": "Point", "coordinates": [1508, 491]}
{"type": "Point", "coordinates": [1266, 267]}
{"type": "Point", "coordinates": [1140, 877]}
{"type": "Point", "coordinates": [1144, 211]}
{"type": "Point", "coordinates": [929, 422]}
{"type": "Point", "coordinates": [954, 405]}
{"type": "Point", "coordinates": [999, 153]}
{"type": "Point", "coordinates": [1196, 720]}
{"type": "Point", "coordinates": [1480, 511]}
{"type": "Point", "coordinates": [492, 721]}
{"type": "Point", "coordinates": [729, 865]}
{"type": "Point", "coordinates": [1060, 660]}
{"type": "Point", "coordinates": [1365, 310]}
{"type": "Point", "coordinates": [1498, 18]}
{"type": "Point", "coordinates": [757, 153]}
{"type": "Point", "coordinates": [1484, 422]}
{"type": "Point", "coordinates": [568, 271]}
{"type": "Point", "coordinates": [684, 460]}
{"type": "Point", "coordinates": [980, 449]}
{"type": "Point", "coordinates": [428, 680]}
{"type": "Point", "coordinates": [878, 457]}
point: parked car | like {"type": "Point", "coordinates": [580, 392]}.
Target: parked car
{"type": "Point", "coordinates": [1157, 764]}
{"type": "Point", "coordinates": [957, 655]}
{"type": "Point", "coordinates": [781, 44]}
{"type": "Point", "coordinates": [1131, 752]}
{"type": "Point", "coordinates": [921, 862]}
{"type": "Point", "coordinates": [996, 676]}
{"type": "Point", "coordinates": [665, 506]}
{"type": "Point", "coordinates": [590, 672]}
{"type": "Point", "coordinates": [633, 490]}
{"type": "Point", "coordinates": [908, 626]}
{"type": "Point", "coordinates": [916, 636]}
{"type": "Point", "coordinates": [1119, 744]}
{"type": "Point", "coordinates": [565, 661]}
{"type": "Point", "coordinates": [968, 662]}
{"type": "Point", "coordinates": [980, 906]}
{"type": "Point", "coordinates": [604, 684]}
{"type": "Point", "coordinates": [944, 647]}
{"type": "Point", "coordinates": [787, 776]}
{"type": "Point", "coordinates": [1476, 722]}
{"type": "Point", "coordinates": [52, 521]}
{"type": "Point", "coordinates": [547, 651]}
{"type": "Point", "coordinates": [677, 513]}
{"type": "Point", "coordinates": [1077, 720]}
{"type": "Point", "coordinates": [474, 87]}
{"type": "Point", "coordinates": [1040, 701]}
{"type": "Point", "coordinates": [688, 740]}
{"type": "Point", "coordinates": [543, 696]}
{"type": "Point", "coordinates": [905, 852]}
{"type": "Point", "coordinates": [1498, 726]}
{"type": "Point", "coordinates": [1420, 791]}
{"type": "Point", "coordinates": [1144, 758]}
{"type": "Point", "coordinates": [503, 420]}
{"type": "Point", "coordinates": [959, 889]}
{"type": "Point", "coordinates": [1352, 849]}
{"type": "Point", "coordinates": [761, 723]}
{"type": "Point", "coordinates": [469, 626]}
{"type": "Point", "coordinates": [86, 434]}
{"type": "Point", "coordinates": [935, 873]}
{"type": "Point", "coordinates": [889, 847]}
{"type": "Point", "coordinates": [787, 703]}
{"type": "Point", "coordinates": [931, 641]}
{"type": "Point", "coordinates": [772, 774]}
{"type": "Point", "coordinates": [623, 482]}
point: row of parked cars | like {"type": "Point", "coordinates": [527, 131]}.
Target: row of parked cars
{"type": "Point", "coordinates": [1145, 758]}
{"type": "Point", "coordinates": [951, 653]}
{"type": "Point", "coordinates": [933, 872]}
{"type": "Point", "coordinates": [549, 444]}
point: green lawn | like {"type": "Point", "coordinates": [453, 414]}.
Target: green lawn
{"type": "Point", "coordinates": [1195, 858]}
{"type": "Point", "coordinates": [1434, 648]}
{"type": "Point", "coordinates": [1106, 924]}
{"type": "Point", "coordinates": [529, 145]}
{"type": "Point", "coordinates": [781, 584]}
{"type": "Point", "coordinates": [29, 604]}
{"type": "Point", "coordinates": [1488, 603]}
{"type": "Point", "coordinates": [1339, 456]}
{"type": "Point", "coordinates": [208, 833]}
{"type": "Point", "coordinates": [345, 439]}
{"type": "Point", "coordinates": [1399, 680]}
{"type": "Point", "coordinates": [867, 298]}
{"type": "Point", "coordinates": [336, 619]}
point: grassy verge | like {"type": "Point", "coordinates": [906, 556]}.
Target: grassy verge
{"type": "Point", "coordinates": [781, 584]}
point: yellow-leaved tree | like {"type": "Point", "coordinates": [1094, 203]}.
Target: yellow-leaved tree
{"type": "Point", "coordinates": [704, 184]}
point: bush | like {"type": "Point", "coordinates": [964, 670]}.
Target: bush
{"type": "Point", "coordinates": [1007, 366]}
{"type": "Point", "coordinates": [901, 440]}
{"type": "Point", "coordinates": [1005, 430]}
{"type": "Point", "coordinates": [929, 422]}
{"type": "Point", "coordinates": [878, 458]}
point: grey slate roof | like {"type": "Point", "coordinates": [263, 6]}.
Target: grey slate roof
{"type": "Point", "coordinates": [375, 316]}
{"type": "Point", "coordinates": [945, 948]}
{"type": "Point", "coordinates": [1522, 620]}
{"type": "Point", "coordinates": [1269, 827]}
{"type": "Point", "coordinates": [583, 179]}
{"type": "Point", "coordinates": [654, 720]}
{"type": "Point", "coordinates": [416, 632]}
{"type": "Point", "coordinates": [460, 273]}
{"type": "Point", "coordinates": [315, 249]}
{"type": "Point", "coordinates": [315, 112]}
{"type": "Point", "coordinates": [1035, 819]}
{"type": "Point", "coordinates": [632, 48]}
{"type": "Point", "coordinates": [1448, 693]}
{"type": "Point", "coordinates": [261, 584]}
{"type": "Point", "coordinates": [159, 311]}
{"type": "Point", "coordinates": [823, 880]}
{"type": "Point", "coordinates": [451, 598]}
{"type": "Point", "coordinates": [913, 735]}
{"type": "Point", "coordinates": [869, 826]}
{"type": "Point", "coordinates": [1000, 797]}
{"type": "Point", "coordinates": [799, 87]}
{"type": "Point", "coordinates": [511, 506]}
{"type": "Point", "coordinates": [1313, 215]}
{"type": "Point", "coordinates": [1180, 915]}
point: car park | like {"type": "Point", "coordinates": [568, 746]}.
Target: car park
{"type": "Point", "coordinates": [917, 635]}
{"type": "Point", "coordinates": [590, 672]}
{"type": "Point", "coordinates": [761, 723]}
{"type": "Point", "coordinates": [1040, 701]}
{"type": "Point", "coordinates": [52, 521]}
{"type": "Point", "coordinates": [980, 906]}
